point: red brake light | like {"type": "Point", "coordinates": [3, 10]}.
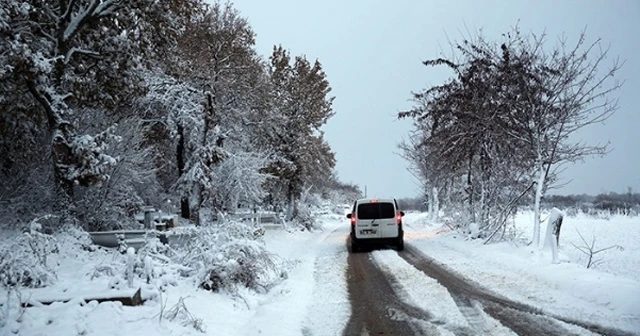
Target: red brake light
{"type": "Point", "coordinates": [398, 218]}
{"type": "Point", "coordinates": [353, 219]}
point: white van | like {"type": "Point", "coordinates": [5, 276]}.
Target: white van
{"type": "Point", "coordinates": [376, 221]}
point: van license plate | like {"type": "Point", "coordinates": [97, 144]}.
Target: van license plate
{"type": "Point", "coordinates": [367, 231]}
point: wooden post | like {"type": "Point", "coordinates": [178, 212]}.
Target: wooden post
{"type": "Point", "coordinates": [148, 217]}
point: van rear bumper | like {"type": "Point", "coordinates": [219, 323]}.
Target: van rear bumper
{"type": "Point", "coordinates": [377, 241]}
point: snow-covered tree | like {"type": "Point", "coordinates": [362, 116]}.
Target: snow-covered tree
{"type": "Point", "coordinates": [302, 105]}
{"type": "Point", "coordinates": [60, 58]}
{"type": "Point", "coordinates": [565, 89]}
{"type": "Point", "coordinates": [224, 66]}
{"type": "Point", "coordinates": [240, 178]}
{"type": "Point", "coordinates": [503, 122]}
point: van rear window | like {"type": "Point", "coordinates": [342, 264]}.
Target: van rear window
{"type": "Point", "coordinates": [375, 211]}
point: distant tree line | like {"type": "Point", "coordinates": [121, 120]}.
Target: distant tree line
{"type": "Point", "coordinates": [106, 106]}
{"type": "Point", "coordinates": [412, 203]}
{"type": "Point", "coordinates": [494, 134]}
{"type": "Point", "coordinates": [624, 203]}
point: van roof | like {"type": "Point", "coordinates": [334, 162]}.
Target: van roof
{"type": "Point", "coordinates": [375, 200]}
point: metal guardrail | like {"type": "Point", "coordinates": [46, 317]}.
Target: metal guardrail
{"type": "Point", "coordinates": [265, 220]}
{"type": "Point", "coordinates": [137, 238]}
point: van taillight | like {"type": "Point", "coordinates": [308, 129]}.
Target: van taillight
{"type": "Point", "coordinates": [399, 219]}
{"type": "Point", "coordinates": [353, 219]}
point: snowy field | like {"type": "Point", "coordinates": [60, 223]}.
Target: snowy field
{"type": "Point", "coordinates": [312, 297]}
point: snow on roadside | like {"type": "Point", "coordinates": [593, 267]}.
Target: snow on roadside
{"type": "Point", "coordinates": [303, 299]}
{"type": "Point", "coordinates": [527, 275]}
{"type": "Point", "coordinates": [314, 296]}
{"type": "Point", "coordinates": [330, 307]}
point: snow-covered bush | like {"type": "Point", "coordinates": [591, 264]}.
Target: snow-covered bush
{"type": "Point", "coordinates": [70, 236]}
{"type": "Point", "coordinates": [304, 218]}
{"type": "Point", "coordinates": [24, 260]}
{"type": "Point", "coordinates": [472, 231]}
{"type": "Point", "coordinates": [132, 182]}
{"type": "Point", "coordinates": [180, 312]}
{"type": "Point", "coordinates": [228, 255]}
{"type": "Point", "coordinates": [309, 205]}
{"type": "Point", "coordinates": [128, 267]}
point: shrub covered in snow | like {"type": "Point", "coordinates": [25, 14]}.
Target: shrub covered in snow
{"type": "Point", "coordinates": [304, 217]}
{"type": "Point", "coordinates": [229, 255]}
{"type": "Point", "coordinates": [24, 261]}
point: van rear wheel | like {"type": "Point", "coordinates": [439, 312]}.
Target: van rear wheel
{"type": "Point", "coordinates": [355, 247]}
{"type": "Point", "coordinates": [400, 244]}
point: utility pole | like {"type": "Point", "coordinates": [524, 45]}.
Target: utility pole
{"type": "Point", "coordinates": [365, 191]}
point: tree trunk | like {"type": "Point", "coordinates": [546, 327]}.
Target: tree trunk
{"type": "Point", "coordinates": [436, 203]}
{"type": "Point", "coordinates": [470, 205]}
{"type": "Point", "coordinates": [483, 205]}
{"type": "Point", "coordinates": [62, 159]}
{"type": "Point", "coordinates": [184, 201]}
{"type": "Point", "coordinates": [430, 204]}
{"type": "Point", "coordinates": [536, 206]}
{"type": "Point", "coordinates": [291, 198]}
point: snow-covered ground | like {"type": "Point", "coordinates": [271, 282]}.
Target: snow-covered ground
{"type": "Point", "coordinates": [312, 298]}
{"type": "Point", "coordinates": [608, 294]}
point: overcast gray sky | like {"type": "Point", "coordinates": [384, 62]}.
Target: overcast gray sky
{"type": "Point", "coordinates": [372, 53]}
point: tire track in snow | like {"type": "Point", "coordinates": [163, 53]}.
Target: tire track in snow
{"type": "Point", "coordinates": [375, 308]}
{"type": "Point", "coordinates": [521, 318]}
{"type": "Point", "coordinates": [461, 318]}
{"type": "Point", "coordinates": [378, 307]}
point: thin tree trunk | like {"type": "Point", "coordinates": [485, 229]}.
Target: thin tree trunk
{"type": "Point", "coordinates": [184, 201]}
{"type": "Point", "coordinates": [436, 203]}
{"type": "Point", "coordinates": [536, 206]}
{"type": "Point", "coordinates": [472, 213]}
{"type": "Point", "coordinates": [291, 198]}
{"type": "Point", "coordinates": [430, 200]}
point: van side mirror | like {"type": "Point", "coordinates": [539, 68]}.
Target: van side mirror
{"type": "Point", "coordinates": [401, 213]}
{"type": "Point", "coordinates": [349, 216]}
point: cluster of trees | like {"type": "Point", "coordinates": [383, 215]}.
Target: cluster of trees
{"type": "Point", "coordinates": [627, 203]}
{"type": "Point", "coordinates": [494, 134]}
{"type": "Point", "coordinates": [109, 105]}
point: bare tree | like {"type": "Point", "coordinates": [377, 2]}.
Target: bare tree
{"type": "Point", "coordinates": [504, 121]}
{"type": "Point", "coordinates": [574, 92]}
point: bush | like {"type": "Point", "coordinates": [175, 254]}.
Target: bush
{"type": "Point", "coordinates": [304, 218]}
{"type": "Point", "coordinates": [24, 260]}
{"type": "Point", "coordinates": [229, 255]}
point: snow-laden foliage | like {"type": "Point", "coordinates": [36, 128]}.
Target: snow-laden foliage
{"type": "Point", "coordinates": [303, 104]}
{"type": "Point", "coordinates": [132, 180]}
{"type": "Point", "coordinates": [25, 260]}
{"type": "Point", "coordinates": [240, 178]}
{"type": "Point", "coordinates": [180, 312]}
{"type": "Point", "coordinates": [91, 160]}
{"type": "Point", "coordinates": [229, 255]}
{"type": "Point", "coordinates": [304, 217]}
{"type": "Point", "coordinates": [88, 54]}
